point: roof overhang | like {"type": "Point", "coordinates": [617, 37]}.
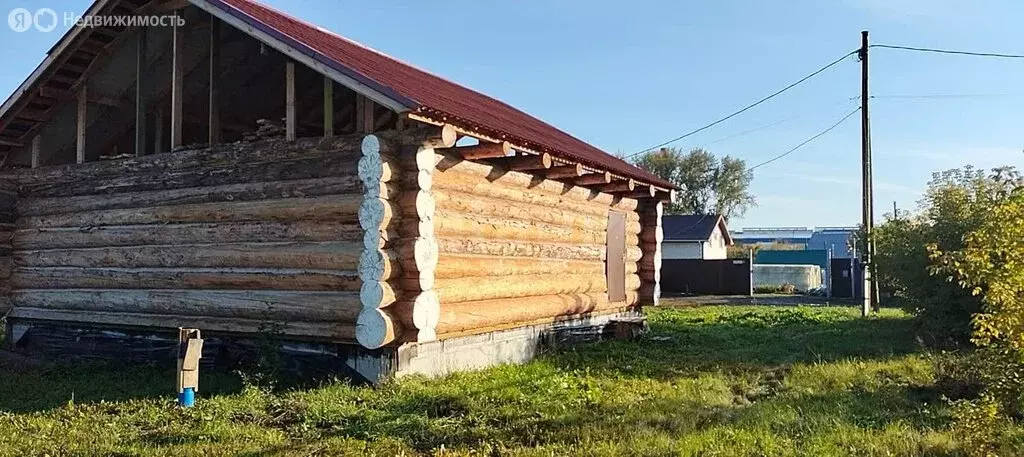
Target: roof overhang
{"type": "Point", "coordinates": [54, 54]}
{"type": "Point", "coordinates": [306, 55]}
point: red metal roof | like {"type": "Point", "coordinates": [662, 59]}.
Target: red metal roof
{"type": "Point", "coordinates": [429, 94]}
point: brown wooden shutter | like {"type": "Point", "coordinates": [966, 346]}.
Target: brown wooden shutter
{"type": "Point", "coordinates": [615, 257]}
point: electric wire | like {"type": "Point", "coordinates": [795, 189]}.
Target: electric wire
{"type": "Point", "coordinates": [819, 134]}
{"type": "Point", "coordinates": [746, 108]}
{"type": "Point", "coordinates": [948, 51]}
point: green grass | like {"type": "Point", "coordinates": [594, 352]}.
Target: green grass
{"type": "Point", "coordinates": [719, 380]}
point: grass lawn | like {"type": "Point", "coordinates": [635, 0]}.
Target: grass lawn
{"type": "Point", "coordinates": [717, 380]}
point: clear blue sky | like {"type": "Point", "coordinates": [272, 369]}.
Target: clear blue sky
{"type": "Point", "coordinates": [626, 75]}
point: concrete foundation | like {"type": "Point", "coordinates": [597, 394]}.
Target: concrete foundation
{"type": "Point", "coordinates": [512, 346]}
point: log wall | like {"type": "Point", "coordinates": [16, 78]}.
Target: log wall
{"type": "Point", "coordinates": [651, 236]}
{"type": "Point", "coordinates": [517, 249]}
{"type": "Point", "coordinates": [238, 238]}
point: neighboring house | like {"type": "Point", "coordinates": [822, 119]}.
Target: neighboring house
{"type": "Point", "coordinates": [695, 236]}
{"type": "Point", "coordinates": [356, 230]}
{"type": "Point", "coordinates": [837, 239]}
{"type": "Point", "coordinates": [773, 235]}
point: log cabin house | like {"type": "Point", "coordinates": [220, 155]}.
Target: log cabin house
{"type": "Point", "coordinates": [247, 167]}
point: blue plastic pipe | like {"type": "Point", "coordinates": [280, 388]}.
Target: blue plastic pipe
{"type": "Point", "coordinates": [187, 398]}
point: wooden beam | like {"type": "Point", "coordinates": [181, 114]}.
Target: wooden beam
{"type": "Point", "coordinates": [593, 178]}
{"type": "Point", "coordinates": [16, 144]}
{"type": "Point", "coordinates": [158, 131]}
{"type": "Point", "coordinates": [83, 111]}
{"type": "Point", "coordinates": [32, 115]}
{"type": "Point", "coordinates": [214, 136]}
{"type": "Point", "coordinates": [364, 114]}
{"type": "Point", "coordinates": [140, 87]}
{"type": "Point", "coordinates": [177, 79]}
{"type": "Point", "coordinates": [168, 5]}
{"type": "Point", "coordinates": [289, 105]}
{"type": "Point", "coordinates": [483, 150]}
{"type": "Point", "coordinates": [105, 101]}
{"type": "Point", "coordinates": [36, 151]}
{"type": "Point", "coordinates": [644, 191]}
{"type": "Point", "coordinates": [529, 162]}
{"type": "Point", "coordinates": [627, 185]}
{"type": "Point", "coordinates": [565, 171]}
{"type": "Point", "coordinates": [666, 196]}
{"type": "Point", "coordinates": [328, 107]}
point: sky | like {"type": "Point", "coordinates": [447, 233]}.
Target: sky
{"type": "Point", "coordinates": [625, 76]}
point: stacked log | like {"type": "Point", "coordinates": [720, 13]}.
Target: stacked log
{"type": "Point", "coordinates": [400, 253]}
{"type": "Point", "coordinates": [265, 128]}
{"type": "Point", "coordinates": [516, 248]}
{"type": "Point", "coordinates": [651, 237]}
{"type": "Point", "coordinates": [8, 200]}
{"type": "Point", "coordinates": [231, 238]}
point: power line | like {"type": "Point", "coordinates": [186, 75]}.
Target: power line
{"type": "Point", "coordinates": [748, 107]}
{"type": "Point", "coordinates": [773, 124]}
{"type": "Point", "coordinates": [940, 96]}
{"type": "Point", "coordinates": [784, 154]}
{"type": "Point", "coordinates": [947, 51]}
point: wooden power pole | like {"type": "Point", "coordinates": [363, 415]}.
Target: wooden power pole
{"type": "Point", "coordinates": [868, 210]}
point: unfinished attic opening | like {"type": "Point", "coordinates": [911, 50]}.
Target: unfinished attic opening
{"type": "Point", "coordinates": [119, 92]}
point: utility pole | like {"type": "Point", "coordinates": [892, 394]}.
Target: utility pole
{"type": "Point", "coordinates": [867, 214]}
{"type": "Point", "coordinates": [895, 211]}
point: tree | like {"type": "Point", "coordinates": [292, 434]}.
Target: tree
{"type": "Point", "coordinates": [908, 248]}
{"type": "Point", "coordinates": [709, 185]}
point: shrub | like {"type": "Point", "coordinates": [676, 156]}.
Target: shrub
{"type": "Point", "coordinates": [775, 289]}
{"type": "Point", "coordinates": [956, 203]}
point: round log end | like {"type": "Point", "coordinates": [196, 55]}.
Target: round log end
{"type": "Point", "coordinates": [425, 251]}
{"type": "Point", "coordinates": [426, 311]}
{"type": "Point", "coordinates": [370, 145]}
{"type": "Point", "coordinates": [630, 184]}
{"type": "Point", "coordinates": [425, 180]}
{"type": "Point", "coordinates": [375, 266]}
{"type": "Point", "coordinates": [371, 169]}
{"type": "Point", "coordinates": [372, 239]}
{"type": "Point", "coordinates": [375, 328]}
{"type": "Point", "coordinates": [607, 177]}
{"type": "Point", "coordinates": [425, 159]}
{"type": "Point", "coordinates": [448, 135]}
{"type": "Point", "coordinates": [373, 214]}
{"type": "Point", "coordinates": [376, 294]}
{"type": "Point", "coordinates": [545, 160]}
{"type": "Point", "coordinates": [425, 335]}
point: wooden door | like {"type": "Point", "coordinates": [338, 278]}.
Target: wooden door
{"type": "Point", "coordinates": [615, 257]}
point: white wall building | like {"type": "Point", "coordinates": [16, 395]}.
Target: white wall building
{"type": "Point", "coordinates": [695, 236]}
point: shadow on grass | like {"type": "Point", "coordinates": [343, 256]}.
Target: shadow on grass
{"type": "Point", "coordinates": [47, 385]}
{"type": "Point", "coordinates": [690, 342]}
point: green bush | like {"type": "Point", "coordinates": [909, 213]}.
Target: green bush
{"type": "Point", "coordinates": [775, 289]}
{"type": "Point", "coordinates": [956, 203]}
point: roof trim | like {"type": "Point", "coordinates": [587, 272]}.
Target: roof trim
{"type": "Point", "coordinates": [55, 53]}
{"type": "Point", "coordinates": [307, 55]}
